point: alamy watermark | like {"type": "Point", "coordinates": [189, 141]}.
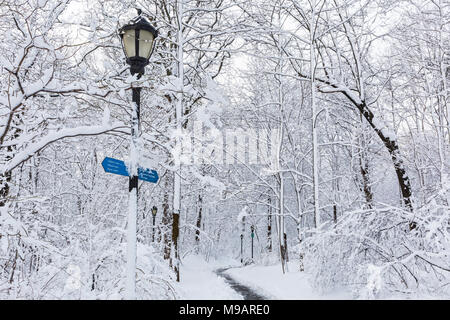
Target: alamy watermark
{"type": "Point", "coordinates": [205, 144]}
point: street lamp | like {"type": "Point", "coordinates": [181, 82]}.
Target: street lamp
{"type": "Point", "coordinates": [137, 39]}
{"type": "Point", "coordinates": [252, 228]}
{"type": "Point", "coordinates": [154, 211]}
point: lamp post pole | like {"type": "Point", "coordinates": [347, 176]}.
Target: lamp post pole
{"type": "Point", "coordinates": [153, 234]}
{"type": "Point", "coordinates": [154, 211]}
{"type": "Point", "coordinates": [242, 248]}
{"type": "Point", "coordinates": [133, 196]}
{"type": "Point", "coordinates": [137, 40]}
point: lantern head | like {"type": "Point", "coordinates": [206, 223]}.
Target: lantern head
{"type": "Point", "coordinates": [138, 38]}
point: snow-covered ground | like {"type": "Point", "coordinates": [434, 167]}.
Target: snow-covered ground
{"type": "Point", "coordinates": [270, 281]}
{"type": "Point", "coordinates": [199, 282]}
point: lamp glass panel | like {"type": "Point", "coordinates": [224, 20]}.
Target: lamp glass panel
{"type": "Point", "coordinates": [129, 43]}
{"type": "Point", "coordinates": [145, 43]}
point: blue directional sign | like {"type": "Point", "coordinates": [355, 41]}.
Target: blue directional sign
{"type": "Point", "coordinates": [116, 166]}
{"type": "Point", "coordinates": [148, 175]}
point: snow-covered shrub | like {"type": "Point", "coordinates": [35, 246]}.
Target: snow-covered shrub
{"type": "Point", "coordinates": [378, 252]}
{"type": "Point", "coordinates": [78, 256]}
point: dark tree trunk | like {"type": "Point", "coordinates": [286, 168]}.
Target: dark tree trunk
{"type": "Point", "coordinates": [166, 223]}
{"type": "Point", "coordinates": [301, 266]}
{"type": "Point", "coordinates": [4, 181]}
{"type": "Point", "coordinates": [285, 248]}
{"type": "Point", "coordinates": [335, 213]}
{"type": "Point", "coordinates": [364, 166]}
{"type": "Point", "coordinates": [269, 228]}
{"type": "Point", "coordinates": [393, 149]}
{"type": "Point", "coordinates": [4, 189]}
{"type": "Point", "coordinates": [175, 235]}
{"type": "Point", "coordinates": [199, 219]}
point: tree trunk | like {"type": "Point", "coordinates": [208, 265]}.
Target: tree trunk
{"type": "Point", "coordinates": [393, 149]}
{"type": "Point", "coordinates": [199, 220]}
{"type": "Point", "coordinates": [6, 178]}
{"type": "Point", "coordinates": [364, 167]}
{"type": "Point", "coordinates": [4, 187]}
{"type": "Point", "coordinates": [335, 213]}
{"type": "Point", "coordinates": [166, 222]}
{"type": "Point", "coordinates": [285, 248]}
{"type": "Point", "coordinates": [269, 228]}
{"type": "Point", "coordinates": [301, 265]}
{"type": "Point", "coordinates": [175, 234]}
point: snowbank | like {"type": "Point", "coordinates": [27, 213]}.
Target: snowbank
{"type": "Point", "coordinates": [199, 282]}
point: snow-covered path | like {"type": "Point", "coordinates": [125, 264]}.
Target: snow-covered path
{"type": "Point", "coordinates": [246, 292]}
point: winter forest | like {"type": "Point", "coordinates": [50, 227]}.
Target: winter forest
{"type": "Point", "coordinates": [302, 149]}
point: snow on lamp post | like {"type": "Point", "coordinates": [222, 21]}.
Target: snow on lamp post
{"type": "Point", "coordinates": [137, 39]}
